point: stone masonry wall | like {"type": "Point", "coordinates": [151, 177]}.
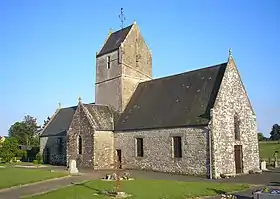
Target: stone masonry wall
{"type": "Point", "coordinates": [108, 81]}
{"type": "Point", "coordinates": [158, 150]}
{"type": "Point", "coordinates": [232, 99]}
{"type": "Point", "coordinates": [80, 126]}
{"type": "Point", "coordinates": [103, 150]}
{"type": "Point", "coordinates": [136, 63]}
{"type": "Point", "coordinates": [52, 150]}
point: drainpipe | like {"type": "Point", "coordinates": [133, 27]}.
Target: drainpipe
{"type": "Point", "coordinates": [209, 143]}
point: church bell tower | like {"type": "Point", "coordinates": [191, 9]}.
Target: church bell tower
{"type": "Point", "coordinates": [122, 63]}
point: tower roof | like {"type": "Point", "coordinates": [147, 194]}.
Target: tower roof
{"type": "Point", "coordinates": [114, 41]}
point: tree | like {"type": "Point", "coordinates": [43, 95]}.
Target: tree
{"type": "Point", "coordinates": [9, 149]}
{"type": "Point", "coordinates": [31, 123]}
{"type": "Point", "coordinates": [25, 131]}
{"type": "Point", "coordinates": [275, 132]}
{"type": "Point", "coordinates": [261, 137]}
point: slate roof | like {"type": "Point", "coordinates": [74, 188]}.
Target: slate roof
{"type": "Point", "coordinates": [179, 100]}
{"type": "Point", "coordinates": [102, 117]}
{"type": "Point", "coordinates": [114, 41]}
{"type": "Point", "coordinates": [59, 125]}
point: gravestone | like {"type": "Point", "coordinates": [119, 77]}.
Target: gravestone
{"type": "Point", "coordinates": [73, 167]}
{"type": "Point", "coordinates": [263, 166]}
{"type": "Point", "coordinates": [275, 164]}
{"type": "Point", "coordinates": [275, 159]}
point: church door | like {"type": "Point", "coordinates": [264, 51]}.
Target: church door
{"type": "Point", "coordinates": [238, 158]}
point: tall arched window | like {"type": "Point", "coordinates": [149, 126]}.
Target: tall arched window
{"type": "Point", "coordinates": [236, 128]}
{"type": "Point", "coordinates": [80, 145]}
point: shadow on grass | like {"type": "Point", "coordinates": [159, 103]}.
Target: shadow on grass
{"type": "Point", "coordinates": [98, 191]}
{"type": "Point", "coordinates": [274, 183]}
{"type": "Point", "coordinates": [217, 191]}
{"type": "Point", "coordinates": [272, 170]}
{"type": "Point", "coordinates": [243, 197]}
{"type": "Point", "coordinates": [221, 192]}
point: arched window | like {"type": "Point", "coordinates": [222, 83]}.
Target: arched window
{"type": "Point", "coordinates": [236, 128]}
{"type": "Point", "coordinates": [80, 145]}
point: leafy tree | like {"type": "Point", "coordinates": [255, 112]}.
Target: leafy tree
{"type": "Point", "coordinates": [35, 141]}
{"type": "Point", "coordinates": [261, 137]}
{"type": "Point", "coordinates": [275, 132]}
{"type": "Point", "coordinates": [31, 123]}
{"type": "Point", "coordinates": [25, 131]}
{"type": "Point", "coordinates": [9, 149]}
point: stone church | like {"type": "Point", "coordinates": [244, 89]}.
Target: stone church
{"type": "Point", "coordinates": [199, 122]}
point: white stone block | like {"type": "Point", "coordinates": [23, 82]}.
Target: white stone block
{"type": "Point", "coordinates": [72, 167]}
{"type": "Point", "coordinates": [263, 166]}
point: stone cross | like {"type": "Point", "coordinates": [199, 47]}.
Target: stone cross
{"type": "Point", "coordinates": [122, 18]}
{"type": "Point", "coordinates": [73, 167]}
{"type": "Point", "coordinates": [117, 164]}
{"type": "Point", "coordinates": [118, 180]}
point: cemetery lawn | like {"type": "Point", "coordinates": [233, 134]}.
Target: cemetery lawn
{"type": "Point", "coordinates": [144, 189]}
{"type": "Point", "coordinates": [267, 150]}
{"type": "Point", "coordinates": [11, 176]}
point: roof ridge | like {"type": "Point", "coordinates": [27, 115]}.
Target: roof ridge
{"type": "Point", "coordinates": [191, 71]}
{"type": "Point", "coordinates": [119, 30]}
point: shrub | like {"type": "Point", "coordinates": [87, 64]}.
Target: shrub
{"type": "Point", "coordinates": [39, 158]}
{"type": "Point", "coordinates": [9, 149]}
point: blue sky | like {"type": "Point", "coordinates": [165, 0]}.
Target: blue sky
{"type": "Point", "coordinates": [47, 48]}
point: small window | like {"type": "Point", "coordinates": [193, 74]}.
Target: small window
{"type": "Point", "coordinates": [60, 145]}
{"type": "Point", "coordinates": [139, 145]}
{"type": "Point", "coordinates": [80, 145]}
{"type": "Point", "coordinates": [108, 62]}
{"type": "Point", "coordinates": [177, 144]}
{"type": "Point", "coordinates": [236, 128]}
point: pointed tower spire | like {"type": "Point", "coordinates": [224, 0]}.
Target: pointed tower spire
{"type": "Point", "coordinates": [80, 99]}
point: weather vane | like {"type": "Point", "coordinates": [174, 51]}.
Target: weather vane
{"type": "Point", "coordinates": [122, 17]}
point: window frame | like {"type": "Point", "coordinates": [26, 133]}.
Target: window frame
{"type": "Point", "coordinates": [108, 62]}
{"type": "Point", "coordinates": [236, 126]}
{"type": "Point", "coordinates": [139, 153]}
{"type": "Point", "coordinates": [177, 149]}
{"type": "Point", "coordinates": [80, 145]}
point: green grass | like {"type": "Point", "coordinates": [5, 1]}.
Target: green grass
{"type": "Point", "coordinates": [17, 176]}
{"type": "Point", "coordinates": [267, 150]}
{"type": "Point", "coordinates": [144, 189]}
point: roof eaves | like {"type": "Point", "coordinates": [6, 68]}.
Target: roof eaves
{"type": "Point", "coordinates": [171, 127]}
{"type": "Point", "coordinates": [106, 52]}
